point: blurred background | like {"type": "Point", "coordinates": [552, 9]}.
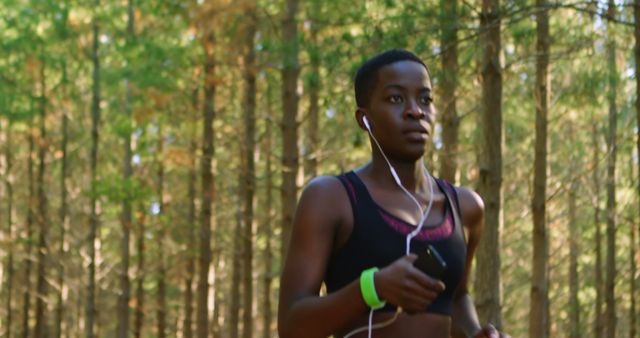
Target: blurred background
{"type": "Point", "coordinates": [152, 152]}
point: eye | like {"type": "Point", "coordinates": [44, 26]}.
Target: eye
{"type": "Point", "coordinates": [426, 99]}
{"type": "Point", "coordinates": [395, 98]}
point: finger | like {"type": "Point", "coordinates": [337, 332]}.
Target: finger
{"type": "Point", "coordinates": [426, 281]}
{"type": "Point", "coordinates": [411, 257]}
{"type": "Point", "coordinates": [491, 331]}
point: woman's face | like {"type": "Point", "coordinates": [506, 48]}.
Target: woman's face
{"type": "Point", "coordinates": [401, 110]}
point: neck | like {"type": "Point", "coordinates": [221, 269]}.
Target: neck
{"type": "Point", "coordinates": [411, 174]}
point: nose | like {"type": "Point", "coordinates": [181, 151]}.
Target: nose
{"type": "Point", "coordinates": [414, 110]}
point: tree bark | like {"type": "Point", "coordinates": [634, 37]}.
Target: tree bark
{"type": "Point", "coordinates": [191, 223]}
{"type": "Point", "coordinates": [236, 274]}
{"type": "Point", "coordinates": [449, 60]}
{"type": "Point", "coordinates": [289, 125]}
{"type": "Point", "coordinates": [636, 12]}
{"type": "Point", "coordinates": [26, 304]}
{"type": "Point", "coordinates": [249, 173]}
{"type": "Point", "coordinates": [208, 184]}
{"type": "Point", "coordinates": [91, 311]}
{"type": "Point", "coordinates": [8, 181]}
{"type": "Point", "coordinates": [137, 328]}
{"type": "Point", "coordinates": [487, 283]}
{"type": "Point", "coordinates": [41, 330]}
{"type": "Point", "coordinates": [539, 318]}
{"type": "Point", "coordinates": [598, 322]}
{"type": "Point", "coordinates": [268, 254]}
{"type": "Point", "coordinates": [574, 236]}
{"type": "Point", "coordinates": [610, 314]}
{"type": "Point", "coordinates": [161, 286]}
{"type": "Point", "coordinates": [125, 215]}
{"type": "Point", "coordinates": [312, 144]}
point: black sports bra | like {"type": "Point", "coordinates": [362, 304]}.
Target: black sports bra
{"type": "Point", "coordinates": [378, 238]}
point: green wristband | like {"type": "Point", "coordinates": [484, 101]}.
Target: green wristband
{"type": "Point", "coordinates": [368, 289]}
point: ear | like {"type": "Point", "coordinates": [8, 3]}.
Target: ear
{"type": "Point", "coordinates": [360, 115]}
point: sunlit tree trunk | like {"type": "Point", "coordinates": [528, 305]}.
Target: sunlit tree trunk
{"type": "Point", "coordinates": [208, 184]}
{"type": "Point", "coordinates": [632, 274]}
{"type": "Point", "coordinates": [487, 282]}
{"type": "Point", "coordinates": [610, 314]}
{"type": "Point", "coordinates": [8, 181]}
{"type": "Point", "coordinates": [249, 173]}
{"type": "Point", "coordinates": [90, 310]}
{"type": "Point", "coordinates": [289, 124]}
{"type": "Point", "coordinates": [140, 274]}
{"type": "Point", "coordinates": [191, 222]}
{"type": "Point", "coordinates": [538, 316]}
{"type": "Point", "coordinates": [125, 215]}
{"type": "Point", "coordinates": [636, 12]}
{"type": "Point", "coordinates": [26, 304]}
{"type": "Point", "coordinates": [236, 273]}
{"type": "Point", "coordinates": [449, 60]}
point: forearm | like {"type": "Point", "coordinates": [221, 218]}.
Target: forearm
{"type": "Point", "coordinates": [322, 316]}
{"type": "Point", "coordinates": [465, 317]}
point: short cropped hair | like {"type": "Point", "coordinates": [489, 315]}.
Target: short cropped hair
{"type": "Point", "coordinates": [367, 75]}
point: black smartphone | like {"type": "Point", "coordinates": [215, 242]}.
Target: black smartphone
{"type": "Point", "coordinates": [431, 263]}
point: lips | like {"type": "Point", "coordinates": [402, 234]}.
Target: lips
{"type": "Point", "coordinates": [416, 134]}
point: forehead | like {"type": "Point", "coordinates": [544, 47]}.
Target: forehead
{"type": "Point", "coordinates": [404, 73]}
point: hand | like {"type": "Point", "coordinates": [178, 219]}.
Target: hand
{"type": "Point", "coordinates": [401, 284]}
{"type": "Point", "coordinates": [490, 331]}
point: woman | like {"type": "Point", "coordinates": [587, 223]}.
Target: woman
{"type": "Point", "coordinates": [382, 215]}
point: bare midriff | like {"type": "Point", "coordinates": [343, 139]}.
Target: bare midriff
{"type": "Point", "coordinates": [423, 325]}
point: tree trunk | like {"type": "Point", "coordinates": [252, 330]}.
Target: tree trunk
{"type": "Point", "coordinates": [574, 236]}
{"type": "Point", "coordinates": [26, 304]}
{"type": "Point", "coordinates": [632, 274]}
{"type": "Point", "coordinates": [8, 181]}
{"type": "Point", "coordinates": [125, 216]}
{"type": "Point", "coordinates": [249, 172]}
{"type": "Point", "coordinates": [208, 185]}
{"type": "Point", "coordinates": [610, 314]}
{"type": "Point", "coordinates": [41, 326]}
{"type": "Point", "coordinates": [289, 125]}
{"type": "Point", "coordinates": [598, 322]}
{"type": "Point", "coordinates": [191, 223]}
{"type": "Point", "coordinates": [236, 273]}
{"type": "Point", "coordinates": [539, 318]}
{"type": "Point", "coordinates": [487, 283]}
{"type": "Point", "coordinates": [91, 310]}
{"type": "Point", "coordinates": [449, 59]}
{"type": "Point", "coordinates": [312, 144]}
{"type": "Point", "coordinates": [268, 254]}
{"type": "Point", "coordinates": [137, 328]}
{"type": "Point", "coordinates": [161, 291]}
{"type": "Point", "coordinates": [636, 12]}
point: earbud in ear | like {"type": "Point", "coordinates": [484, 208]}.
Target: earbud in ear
{"type": "Point", "coordinates": [366, 123]}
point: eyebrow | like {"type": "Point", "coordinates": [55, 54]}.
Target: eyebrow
{"type": "Point", "coordinates": [427, 89]}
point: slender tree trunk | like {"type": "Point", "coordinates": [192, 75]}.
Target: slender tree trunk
{"type": "Point", "coordinates": [26, 304]}
{"type": "Point", "coordinates": [91, 311]}
{"type": "Point", "coordinates": [236, 274]}
{"type": "Point", "coordinates": [449, 59]}
{"type": "Point", "coordinates": [268, 254]}
{"type": "Point", "coordinates": [632, 274]}
{"type": "Point", "coordinates": [574, 237]}
{"type": "Point", "coordinates": [8, 181]}
{"type": "Point", "coordinates": [636, 12]}
{"type": "Point", "coordinates": [487, 281]}
{"type": "Point", "coordinates": [610, 314]}
{"type": "Point", "coordinates": [539, 318]}
{"type": "Point", "coordinates": [125, 215]}
{"type": "Point", "coordinates": [137, 328]}
{"type": "Point", "coordinates": [249, 172]}
{"type": "Point", "coordinates": [598, 322]}
{"type": "Point", "coordinates": [290, 71]}
{"type": "Point", "coordinates": [208, 185]}
{"type": "Point", "coordinates": [312, 146]}
{"type": "Point", "coordinates": [161, 291]}
{"type": "Point", "coordinates": [191, 222]}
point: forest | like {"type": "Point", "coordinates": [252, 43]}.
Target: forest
{"type": "Point", "coordinates": [152, 153]}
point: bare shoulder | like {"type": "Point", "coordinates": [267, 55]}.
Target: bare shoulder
{"type": "Point", "coordinates": [471, 206]}
{"type": "Point", "coordinates": [325, 193]}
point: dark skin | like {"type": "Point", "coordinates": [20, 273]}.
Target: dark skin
{"type": "Point", "coordinates": [402, 103]}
